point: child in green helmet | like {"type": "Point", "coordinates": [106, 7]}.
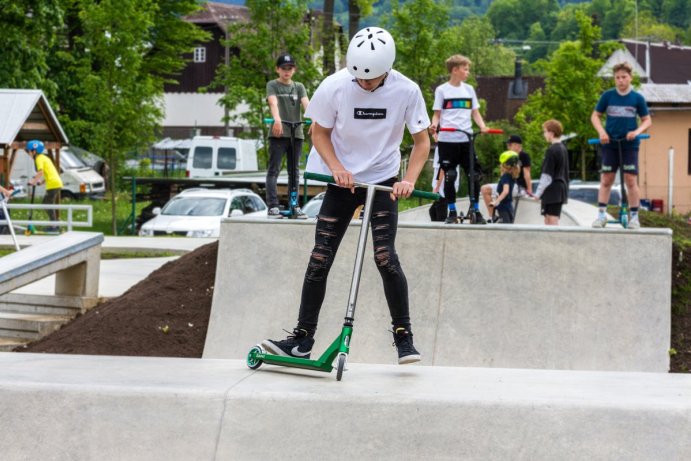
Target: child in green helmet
{"type": "Point", "coordinates": [501, 197]}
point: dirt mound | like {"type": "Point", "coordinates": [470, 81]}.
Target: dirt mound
{"type": "Point", "coordinates": [165, 315]}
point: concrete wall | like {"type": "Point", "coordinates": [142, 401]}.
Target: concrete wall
{"type": "Point", "coordinates": [481, 296]}
{"type": "Point", "coordinates": [65, 408]}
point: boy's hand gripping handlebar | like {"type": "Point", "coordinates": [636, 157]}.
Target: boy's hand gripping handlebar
{"type": "Point", "coordinates": [306, 122]}
{"type": "Point", "coordinates": [639, 137]}
{"type": "Point", "coordinates": [330, 179]}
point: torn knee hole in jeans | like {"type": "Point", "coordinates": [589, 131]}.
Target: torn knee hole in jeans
{"type": "Point", "coordinates": [381, 256]}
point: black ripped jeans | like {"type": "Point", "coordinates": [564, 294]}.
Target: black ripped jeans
{"type": "Point", "coordinates": [336, 213]}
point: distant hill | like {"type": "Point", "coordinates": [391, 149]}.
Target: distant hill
{"type": "Point", "coordinates": [461, 9]}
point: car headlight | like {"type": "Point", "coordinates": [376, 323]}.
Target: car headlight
{"type": "Point", "coordinates": [200, 233]}
{"type": "Point", "coordinates": [146, 232]}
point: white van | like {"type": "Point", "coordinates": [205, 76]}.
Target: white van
{"type": "Point", "coordinates": [78, 179]}
{"type": "Point", "coordinates": [211, 156]}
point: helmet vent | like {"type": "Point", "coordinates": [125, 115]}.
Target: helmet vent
{"type": "Point", "coordinates": [372, 45]}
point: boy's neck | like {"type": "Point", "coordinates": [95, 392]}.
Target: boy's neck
{"type": "Point", "coordinates": [625, 92]}
{"type": "Point", "coordinates": [285, 82]}
{"type": "Point", "coordinates": [455, 81]}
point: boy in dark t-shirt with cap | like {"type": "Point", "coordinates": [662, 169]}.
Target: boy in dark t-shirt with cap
{"type": "Point", "coordinates": [285, 98]}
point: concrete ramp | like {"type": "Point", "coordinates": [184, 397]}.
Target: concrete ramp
{"type": "Point", "coordinates": [574, 213]}
{"type": "Point", "coordinates": [481, 296]}
{"type": "Point", "coordinates": [60, 407]}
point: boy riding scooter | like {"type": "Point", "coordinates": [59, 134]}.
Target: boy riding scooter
{"type": "Point", "coordinates": [358, 117]}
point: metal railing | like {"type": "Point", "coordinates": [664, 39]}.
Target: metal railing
{"type": "Point", "coordinates": [70, 222]}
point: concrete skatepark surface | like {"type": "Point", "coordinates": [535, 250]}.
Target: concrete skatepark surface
{"type": "Point", "coordinates": [213, 409]}
{"type": "Point", "coordinates": [115, 408]}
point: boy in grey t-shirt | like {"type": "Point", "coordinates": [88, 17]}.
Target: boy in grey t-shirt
{"type": "Point", "coordinates": [285, 98]}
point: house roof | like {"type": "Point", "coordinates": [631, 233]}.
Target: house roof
{"type": "Point", "coordinates": [26, 115]}
{"type": "Point", "coordinates": [495, 90]}
{"type": "Point", "coordinates": [654, 62]}
{"type": "Point", "coordinates": [666, 94]}
{"type": "Point", "coordinates": [219, 14]}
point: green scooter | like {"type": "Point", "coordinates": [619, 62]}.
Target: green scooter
{"type": "Point", "coordinates": [339, 348]}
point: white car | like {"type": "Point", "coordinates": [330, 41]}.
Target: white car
{"type": "Point", "coordinates": [311, 208]}
{"type": "Point", "coordinates": [198, 212]}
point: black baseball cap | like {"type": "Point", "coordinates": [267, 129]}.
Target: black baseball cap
{"type": "Point", "coordinates": [514, 138]}
{"type": "Point", "coordinates": [285, 60]}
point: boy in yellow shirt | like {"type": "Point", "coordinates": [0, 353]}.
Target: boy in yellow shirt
{"type": "Point", "coordinates": [45, 172]}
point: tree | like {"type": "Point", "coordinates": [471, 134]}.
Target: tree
{"type": "Point", "coordinates": [357, 9]}
{"type": "Point", "coordinates": [512, 19]}
{"type": "Point", "coordinates": [119, 98]}
{"type": "Point", "coordinates": [417, 26]}
{"type": "Point", "coordinates": [274, 27]}
{"type": "Point", "coordinates": [70, 60]}
{"type": "Point", "coordinates": [474, 38]}
{"type": "Point", "coordinates": [677, 12]}
{"type": "Point", "coordinates": [571, 91]}
{"type": "Point", "coordinates": [649, 28]}
{"type": "Point", "coordinates": [29, 30]}
{"type": "Point", "coordinates": [329, 66]}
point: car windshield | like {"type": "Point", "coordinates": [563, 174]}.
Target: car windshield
{"type": "Point", "coordinates": [70, 161]}
{"type": "Point", "coordinates": [195, 206]}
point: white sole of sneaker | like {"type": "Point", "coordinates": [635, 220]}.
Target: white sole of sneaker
{"type": "Point", "coordinates": [269, 347]}
{"type": "Point", "coordinates": [409, 359]}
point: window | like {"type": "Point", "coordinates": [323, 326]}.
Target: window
{"type": "Point", "coordinates": [227, 158]}
{"type": "Point", "coordinates": [202, 157]}
{"type": "Point", "coordinates": [200, 54]}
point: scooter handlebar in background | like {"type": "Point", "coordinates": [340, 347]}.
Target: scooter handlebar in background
{"type": "Point", "coordinates": [306, 122]}
{"type": "Point", "coordinates": [330, 179]}
{"type": "Point", "coordinates": [490, 131]}
{"type": "Point", "coordinates": [640, 136]}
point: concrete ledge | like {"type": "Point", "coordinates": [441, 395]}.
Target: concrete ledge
{"type": "Point", "coordinates": [62, 407]}
{"type": "Point", "coordinates": [73, 256]}
{"type": "Point", "coordinates": [485, 296]}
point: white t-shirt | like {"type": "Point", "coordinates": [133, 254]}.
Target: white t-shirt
{"type": "Point", "coordinates": [456, 104]}
{"type": "Point", "coordinates": [367, 126]}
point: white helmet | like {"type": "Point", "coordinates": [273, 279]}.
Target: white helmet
{"type": "Point", "coordinates": [371, 53]}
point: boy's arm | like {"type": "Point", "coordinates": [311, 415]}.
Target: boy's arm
{"type": "Point", "coordinates": [418, 158]}
{"type": "Point", "coordinates": [500, 197]}
{"type": "Point", "coordinates": [277, 128]}
{"type": "Point", "coordinates": [528, 180]}
{"type": "Point", "coordinates": [38, 177]}
{"type": "Point", "coordinates": [436, 117]}
{"type": "Point", "coordinates": [597, 124]}
{"type": "Point", "coordinates": [306, 102]}
{"type": "Point", "coordinates": [477, 116]}
{"type": "Point", "coordinates": [646, 122]}
{"type": "Point", "coordinates": [321, 138]}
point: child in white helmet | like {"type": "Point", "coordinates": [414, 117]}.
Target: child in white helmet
{"type": "Point", "coordinates": [359, 114]}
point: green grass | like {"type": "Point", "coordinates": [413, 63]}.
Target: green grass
{"type": "Point", "coordinates": [101, 219]}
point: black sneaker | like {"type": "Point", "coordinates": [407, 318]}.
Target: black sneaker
{"type": "Point", "coordinates": [479, 219]}
{"type": "Point", "coordinates": [452, 218]}
{"type": "Point", "coordinates": [403, 340]}
{"type": "Point", "coordinates": [299, 345]}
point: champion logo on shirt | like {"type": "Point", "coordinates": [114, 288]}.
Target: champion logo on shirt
{"type": "Point", "coordinates": [359, 113]}
{"type": "Point", "coordinates": [458, 103]}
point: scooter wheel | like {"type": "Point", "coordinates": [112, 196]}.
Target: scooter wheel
{"type": "Point", "coordinates": [340, 366]}
{"type": "Point", "coordinates": [252, 361]}
{"type": "Point", "coordinates": [624, 221]}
